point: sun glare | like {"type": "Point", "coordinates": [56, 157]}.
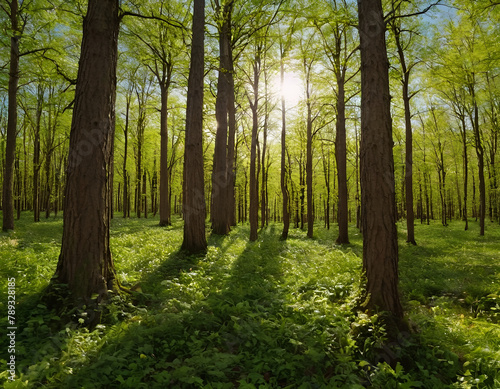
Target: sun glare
{"type": "Point", "coordinates": [291, 89]}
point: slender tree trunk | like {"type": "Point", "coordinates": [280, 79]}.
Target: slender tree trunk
{"type": "Point", "coordinates": [480, 164]}
{"type": "Point", "coordinates": [410, 217]}
{"type": "Point", "coordinates": [326, 173]}
{"type": "Point", "coordinates": [165, 216]}
{"type": "Point", "coordinates": [85, 262]}
{"type": "Point", "coordinates": [36, 155]}
{"type": "Point", "coordinates": [10, 149]}
{"type": "Point", "coordinates": [126, 184]}
{"type": "Point", "coordinates": [194, 209]}
{"type": "Point", "coordinates": [358, 204]}
{"type": "Point", "coordinates": [144, 198]}
{"type": "Point", "coordinates": [302, 182]}
{"type": "Point", "coordinates": [231, 143]}
{"type": "Point", "coordinates": [380, 243]}
{"type": "Point", "coordinates": [219, 210]}
{"type": "Point", "coordinates": [254, 189]}
{"type": "Point", "coordinates": [309, 167]}
{"type": "Point", "coordinates": [283, 177]}
{"type": "Point", "coordinates": [341, 159]}
{"type": "Point", "coordinates": [263, 190]}
{"type": "Point", "coordinates": [254, 196]}
{"type": "Point", "coordinates": [18, 186]}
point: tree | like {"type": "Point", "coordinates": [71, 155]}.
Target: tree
{"type": "Point", "coordinates": [85, 264]}
{"type": "Point", "coordinates": [402, 46]}
{"type": "Point", "coordinates": [254, 106]}
{"type": "Point", "coordinates": [283, 177]}
{"type": "Point", "coordinates": [314, 122]}
{"type": "Point", "coordinates": [463, 64]}
{"type": "Point", "coordinates": [10, 149]}
{"type": "Point", "coordinates": [220, 212]}
{"type": "Point", "coordinates": [340, 53]}
{"type": "Point", "coordinates": [380, 241]}
{"type": "Point", "coordinates": [165, 49]}
{"type": "Point", "coordinates": [193, 187]}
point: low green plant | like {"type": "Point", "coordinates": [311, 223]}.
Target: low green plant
{"type": "Point", "coordinates": [269, 313]}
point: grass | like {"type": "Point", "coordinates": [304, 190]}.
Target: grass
{"type": "Point", "coordinates": [258, 314]}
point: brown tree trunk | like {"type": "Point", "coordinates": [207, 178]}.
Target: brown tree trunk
{"type": "Point", "coordinates": [410, 217]}
{"type": "Point", "coordinates": [165, 202]}
{"type": "Point", "coordinates": [220, 210]}
{"type": "Point", "coordinates": [254, 191]}
{"type": "Point", "coordinates": [408, 177]}
{"type": "Point", "coordinates": [194, 209]}
{"type": "Point", "coordinates": [10, 149]}
{"type": "Point", "coordinates": [326, 174]}
{"type": "Point", "coordinates": [302, 181]}
{"type": "Point", "coordinates": [85, 262]}
{"type": "Point", "coordinates": [309, 175]}
{"type": "Point", "coordinates": [283, 178]}
{"type": "Point", "coordinates": [341, 159]}
{"type": "Point", "coordinates": [126, 183]}
{"type": "Point", "coordinates": [36, 154]}
{"type": "Point", "coordinates": [231, 143]}
{"type": "Point", "coordinates": [309, 164]}
{"type": "Point", "coordinates": [480, 162]}
{"type": "Point", "coordinates": [144, 197]}
{"type": "Point", "coordinates": [141, 127]}
{"type": "Point", "coordinates": [380, 243]}
{"type": "Point", "coordinates": [263, 189]}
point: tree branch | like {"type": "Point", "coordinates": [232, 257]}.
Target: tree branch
{"type": "Point", "coordinates": [170, 22]}
{"type": "Point", "coordinates": [388, 18]}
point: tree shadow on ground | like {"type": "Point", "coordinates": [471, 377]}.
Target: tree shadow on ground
{"type": "Point", "coordinates": [226, 318]}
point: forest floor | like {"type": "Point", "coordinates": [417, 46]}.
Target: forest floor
{"type": "Point", "coordinates": [256, 315]}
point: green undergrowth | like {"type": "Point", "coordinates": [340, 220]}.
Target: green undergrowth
{"type": "Point", "coordinates": [269, 313]}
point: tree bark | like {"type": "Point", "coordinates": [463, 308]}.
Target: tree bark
{"type": "Point", "coordinates": [341, 160]}
{"type": "Point", "coordinates": [283, 180]}
{"type": "Point", "coordinates": [480, 159]}
{"type": "Point", "coordinates": [36, 154]}
{"type": "Point", "coordinates": [194, 208]}
{"type": "Point", "coordinates": [126, 183]}
{"type": "Point", "coordinates": [165, 214]}
{"type": "Point", "coordinates": [220, 210]}
{"type": "Point", "coordinates": [410, 217]}
{"type": "Point", "coordinates": [231, 142]}
{"type": "Point", "coordinates": [10, 149]}
{"type": "Point", "coordinates": [85, 262]}
{"type": "Point", "coordinates": [380, 243]}
{"type": "Point", "coordinates": [254, 191]}
{"type": "Point", "coordinates": [309, 164]}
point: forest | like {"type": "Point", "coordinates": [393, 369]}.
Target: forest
{"type": "Point", "coordinates": [250, 194]}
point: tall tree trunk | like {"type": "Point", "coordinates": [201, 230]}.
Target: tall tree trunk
{"type": "Point", "coordinates": [263, 190]}
{"type": "Point", "coordinates": [36, 154]}
{"type": "Point", "coordinates": [85, 262]}
{"type": "Point", "coordinates": [302, 181]}
{"type": "Point", "coordinates": [231, 144]}
{"type": "Point", "coordinates": [194, 209]}
{"type": "Point", "coordinates": [144, 197]}
{"type": "Point", "coordinates": [326, 173]}
{"type": "Point", "coordinates": [219, 210]}
{"type": "Point", "coordinates": [283, 178]}
{"type": "Point", "coordinates": [480, 160]}
{"type": "Point", "coordinates": [341, 159]}
{"type": "Point", "coordinates": [165, 214]}
{"type": "Point", "coordinates": [309, 164]}
{"type": "Point", "coordinates": [126, 183]}
{"type": "Point", "coordinates": [254, 192]}
{"type": "Point", "coordinates": [408, 177]}
{"type": "Point", "coordinates": [10, 149]}
{"type": "Point", "coordinates": [380, 243]}
{"type": "Point", "coordinates": [410, 217]}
